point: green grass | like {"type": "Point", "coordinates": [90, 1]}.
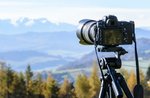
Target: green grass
{"type": "Point", "coordinates": [143, 64]}
{"type": "Point", "coordinates": [128, 65]}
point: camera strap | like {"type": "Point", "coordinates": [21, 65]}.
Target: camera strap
{"type": "Point", "coordinates": [138, 89]}
{"type": "Point", "coordinates": [137, 63]}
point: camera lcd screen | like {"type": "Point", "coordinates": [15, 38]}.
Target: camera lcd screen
{"type": "Point", "coordinates": [112, 37]}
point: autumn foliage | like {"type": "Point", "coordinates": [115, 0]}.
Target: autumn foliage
{"type": "Point", "coordinates": [23, 85]}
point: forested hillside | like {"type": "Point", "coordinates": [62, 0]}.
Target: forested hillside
{"type": "Point", "coordinates": [23, 85]}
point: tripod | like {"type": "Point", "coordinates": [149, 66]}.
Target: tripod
{"type": "Point", "coordinates": [112, 83]}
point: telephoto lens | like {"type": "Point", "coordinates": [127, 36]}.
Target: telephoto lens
{"type": "Point", "coordinates": [86, 31]}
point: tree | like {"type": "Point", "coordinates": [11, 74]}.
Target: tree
{"type": "Point", "coordinates": [36, 91]}
{"type": "Point", "coordinates": [16, 91]}
{"type": "Point", "coordinates": [22, 85]}
{"type": "Point", "coordinates": [124, 73]}
{"type": "Point", "coordinates": [10, 85]}
{"type": "Point", "coordinates": [131, 81]}
{"type": "Point", "coordinates": [148, 74]}
{"type": "Point", "coordinates": [9, 81]}
{"type": "Point", "coordinates": [29, 83]}
{"type": "Point", "coordinates": [3, 83]}
{"type": "Point", "coordinates": [38, 88]}
{"type": "Point", "coordinates": [94, 82]}
{"type": "Point", "coordinates": [29, 74]}
{"type": "Point", "coordinates": [65, 89]}
{"type": "Point", "coordinates": [82, 87]}
{"type": "Point", "coordinates": [142, 78]}
{"type": "Point", "coordinates": [144, 84]}
{"type": "Point", "coordinates": [49, 88]}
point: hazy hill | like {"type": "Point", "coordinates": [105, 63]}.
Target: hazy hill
{"type": "Point", "coordinates": [87, 60]}
{"type": "Point", "coordinates": [142, 33]}
{"type": "Point", "coordinates": [41, 50]}
{"type": "Point", "coordinates": [46, 45]}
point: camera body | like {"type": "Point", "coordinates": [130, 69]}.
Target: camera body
{"type": "Point", "coordinates": [106, 32]}
{"type": "Point", "coordinates": [112, 32]}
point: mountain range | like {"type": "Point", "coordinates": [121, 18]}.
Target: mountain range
{"type": "Point", "coordinates": [37, 42]}
{"type": "Point", "coordinates": [48, 46]}
{"type": "Point", "coordinates": [25, 25]}
{"type": "Point", "coordinates": [87, 60]}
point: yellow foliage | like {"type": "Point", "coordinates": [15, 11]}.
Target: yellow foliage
{"type": "Point", "coordinates": [124, 73]}
{"type": "Point", "coordinates": [82, 87]}
{"type": "Point", "coordinates": [131, 81]}
{"type": "Point", "coordinates": [94, 81]}
{"type": "Point", "coordinates": [65, 89]}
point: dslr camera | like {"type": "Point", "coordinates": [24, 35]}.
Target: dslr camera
{"type": "Point", "coordinates": [106, 32]}
{"type": "Point", "coordinates": [110, 33]}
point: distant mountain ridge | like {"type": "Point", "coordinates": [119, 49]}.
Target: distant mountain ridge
{"type": "Point", "coordinates": [87, 60]}
{"type": "Point", "coordinates": [24, 25]}
{"type": "Point", "coordinates": [142, 33]}
{"type": "Point", "coordinates": [46, 45]}
{"type": "Point", "coordinates": [41, 50]}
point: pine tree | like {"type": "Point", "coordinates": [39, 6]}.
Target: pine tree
{"type": "Point", "coordinates": [22, 86]}
{"type": "Point", "coordinates": [50, 89]}
{"type": "Point", "coordinates": [45, 91]}
{"type": "Point", "coordinates": [142, 78]}
{"type": "Point", "coordinates": [9, 81]}
{"type": "Point", "coordinates": [31, 89]}
{"type": "Point", "coordinates": [94, 81]}
{"type": "Point", "coordinates": [3, 83]}
{"type": "Point", "coordinates": [148, 74]}
{"type": "Point", "coordinates": [82, 87]}
{"type": "Point", "coordinates": [29, 74]}
{"type": "Point", "coordinates": [29, 82]}
{"type": "Point", "coordinates": [144, 83]}
{"type": "Point", "coordinates": [39, 85]}
{"type": "Point", "coordinates": [73, 93]}
{"type": "Point", "coordinates": [65, 89]}
{"type": "Point", "coordinates": [15, 87]}
{"type": "Point", "coordinates": [36, 90]}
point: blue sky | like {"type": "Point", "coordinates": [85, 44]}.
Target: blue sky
{"type": "Point", "coordinates": [84, 3]}
{"type": "Point", "coordinates": [71, 11]}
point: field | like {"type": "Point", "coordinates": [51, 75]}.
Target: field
{"type": "Point", "coordinates": [143, 64]}
{"type": "Point", "coordinates": [73, 73]}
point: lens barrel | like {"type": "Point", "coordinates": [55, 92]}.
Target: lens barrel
{"type": "Point", "coordinates": [86, 31]}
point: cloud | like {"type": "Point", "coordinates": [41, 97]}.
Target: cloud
{"type": "Point", "coordinates": [14, 3]}
{"type": "Point", "coordinates": [74, 14]}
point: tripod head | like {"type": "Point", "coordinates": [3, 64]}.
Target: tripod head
{"type": "Point", "coordinates": [119, 50]}
{"type": "Point", "coordinates": [114, 62]}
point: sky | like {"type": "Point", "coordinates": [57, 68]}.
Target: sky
{"type": "Point", "coordinates": [71, 11]}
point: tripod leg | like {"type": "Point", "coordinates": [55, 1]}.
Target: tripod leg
{"type": "Point", "coordinates": [111, 92]}
{"type": "Point", "coordinates": [103, 89]}
{"type": "Point", "coordinates": [124, 86]}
